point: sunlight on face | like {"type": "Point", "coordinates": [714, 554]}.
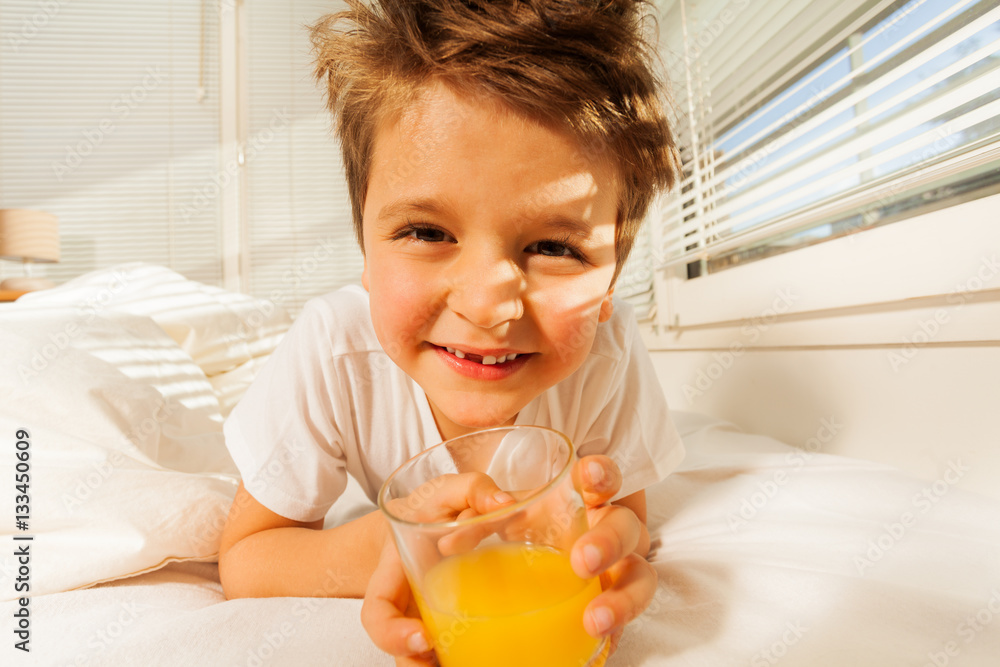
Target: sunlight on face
{"type": "Point", "coordinates": [490, 235]}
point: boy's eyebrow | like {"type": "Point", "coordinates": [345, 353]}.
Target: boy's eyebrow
{"type": "Point", "coordinates": [402, 205]}
{"type": "Point", "coordinates": [552, 223]}
{"type": "Point", "coordinates": [568, 225]}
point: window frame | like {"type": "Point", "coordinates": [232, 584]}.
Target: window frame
{"type": "Point", "coordinates": [893, 276]}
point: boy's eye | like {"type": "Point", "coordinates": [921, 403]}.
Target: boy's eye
{"type": "Point", "coordinates": [552, 249]}
{"type": "Point", "coordinates": [425, 234]}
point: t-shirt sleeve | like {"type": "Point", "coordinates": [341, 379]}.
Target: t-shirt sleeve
{"type": "Point", "coordinates": [633, 424]}
{"type": "Point", "coordinates": [282, 434]}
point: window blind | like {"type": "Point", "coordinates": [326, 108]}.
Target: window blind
{"type": "Point", "coordinates": [109, 119]}
{"type": "Point", "coordinates": [635, 282]}
{"type": "Point", "coordinates": [861, 112]}
{"type": "Point", "coordinates": [299, 231]}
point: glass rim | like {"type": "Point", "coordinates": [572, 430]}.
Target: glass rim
{"type": "Point", "coordinates": [489, 516]}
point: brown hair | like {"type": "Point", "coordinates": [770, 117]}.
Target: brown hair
{"type": "Point", "coordinates": [582, 66]}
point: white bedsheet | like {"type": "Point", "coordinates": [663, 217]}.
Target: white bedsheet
{"type": "Point", "coordinates": [766, 554]}
{"type": "Point", "coordinates": [817, 574]}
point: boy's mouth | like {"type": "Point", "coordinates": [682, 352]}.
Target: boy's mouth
{"type": "Point", "coordinates": [485, 360]}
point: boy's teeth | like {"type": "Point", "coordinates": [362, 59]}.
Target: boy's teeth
{"type": "Point", "coordinates": [487, 360]}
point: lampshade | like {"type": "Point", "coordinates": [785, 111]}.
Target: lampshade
{"type": "Point", "coordinates": [29, 235]}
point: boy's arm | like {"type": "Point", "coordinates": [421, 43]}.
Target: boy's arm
{"type": "Point", "coordinates": [264, 554]}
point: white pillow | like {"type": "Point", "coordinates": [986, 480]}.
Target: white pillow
{"type": "Point", "coordinates": [223, 332]}
{"type": "Point", "coordinates": [128, 468]}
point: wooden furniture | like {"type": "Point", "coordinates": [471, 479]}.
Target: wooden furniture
{"type": "Point", "coordinates": [10, 295]}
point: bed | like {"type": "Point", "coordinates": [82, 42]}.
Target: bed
{"type": "Point", "coordinates": [121, 380]}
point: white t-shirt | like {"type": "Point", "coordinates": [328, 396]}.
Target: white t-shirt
{"type": "Point", "coordinates": [329, 402]}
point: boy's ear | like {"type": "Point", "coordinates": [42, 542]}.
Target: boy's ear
{"type": "Point", "coordinates": [364, 274]}
{"type": "Point", "coordinates": [607, 307]}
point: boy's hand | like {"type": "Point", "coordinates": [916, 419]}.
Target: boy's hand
{"type": "Point", "coordinates": [390, 617]}
{"type": "Point", "coordinates": [609, 549]}
{"type": "Point", "coordinates": [389, 613]}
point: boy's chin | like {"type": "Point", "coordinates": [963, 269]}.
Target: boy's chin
{"type": "Point", "coordinates": [480, 417]}
{"type": "Point", "coordinates": [483, 422]}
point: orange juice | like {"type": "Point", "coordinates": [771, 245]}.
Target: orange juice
{"type": "Point", "coordinates": [508, 604]}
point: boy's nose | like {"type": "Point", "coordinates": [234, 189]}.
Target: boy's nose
{"type": "Point", "coordinates": [487, 293]}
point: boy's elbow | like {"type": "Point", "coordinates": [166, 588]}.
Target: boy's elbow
{"type": "Point", "coordinates": [230, 573]}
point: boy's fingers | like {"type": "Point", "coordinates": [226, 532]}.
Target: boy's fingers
{"type": "Point", "coordinates": [598, 478]}
{"type": "Point", "coordinates": [632, 587]}
{"type": "Point", "coordinates": [464, 539]}
{"type": "Point", "coordinates": [416, 662]}
{"type": "Point", "coordinates": [444, 498]}
{"type": "Point", "coordinates": [615, 533]}
{"type": "Point", "coordinates": [383, 611]}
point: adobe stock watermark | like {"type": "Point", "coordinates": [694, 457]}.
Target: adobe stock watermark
{"type": "Point", "coordinates": [447, 637]}
{"type": "Point", "coordinates": [61, 340]}
{"type": "Point", "coordinates": [34, 24]}
{"type": "Point", "coordinates": [922, 501]}
{"type": "Point", "coordinates": [121, 108]}
{"type": "Point", "coordinates": [929, 328]}
{"type": "Point", "coordinates": [751, 330]}
{"type": "Point", "coordinates": [708, 33]}
{"type": "Point", "coordinates": [205, 195]}
{"type": "Point", "coordinates": [412, 162]}
{"type": "Point", "coordinates": [748, 166]}
{"type": "Point", "coordinates": [946, 138]}
{"type": "Point", "coordinates": [90, 482]}
{"type": "Point", "coordinates": [104, 638]}
{"type": "Point", "coordinates": [967, 631]}
{"type": "Point", "coordinates": [751, 505]}
{"type": "Point", "coordinates": [794, 631]}
{"type": "Point", "coordinates": [332, 586]}
{"type": "Point", "coordinates": [207, 538]}
{"type": "Point", "coordinates": [270, 644]}
{"type": "Point", "coordinates": [300, 271]}
{"type": "Point", "coordinates": [663, 599]}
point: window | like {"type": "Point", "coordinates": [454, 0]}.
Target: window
{"type": "Point", "coordinates": [802, 122]}
{"type": "Point", "coordinates": [110, 120]}
{"type": "Point", "coordinates": [299, 239]}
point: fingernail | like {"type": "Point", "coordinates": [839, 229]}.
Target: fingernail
{"type": "Point", "coordinates": [592, 557]}
{"type": "Point", "coordinates": [602, 619]}
{"type": "Point", "coordinates": [417, 643]}
{"type": "Point", "coordinates": [502, 497]}
{"type": "Point", "coordinates": [596, 472]}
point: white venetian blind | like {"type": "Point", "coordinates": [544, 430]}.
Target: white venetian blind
{"type": "Point", "coordinates": [301, 238]}
{"type": "Point", "coordinates": [803, 121]}
{"type": "Point", "coordinates": [109, 119]}
{"type": "Point", "coordinates": [635, 282]}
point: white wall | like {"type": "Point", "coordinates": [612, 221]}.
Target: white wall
{"type": "Point", "coordinates": [910, 381]}
{"type": "Point", "coordinates": [944, 406]}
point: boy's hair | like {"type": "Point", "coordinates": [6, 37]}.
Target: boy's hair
{"type": "Point", "coordinates": [582, 66]}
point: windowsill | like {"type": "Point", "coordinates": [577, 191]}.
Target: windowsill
{"type": "Point", "coordinates": [934, 276]}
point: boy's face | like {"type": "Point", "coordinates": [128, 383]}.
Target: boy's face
{"type": "Point", "coordinates": [487, 233]}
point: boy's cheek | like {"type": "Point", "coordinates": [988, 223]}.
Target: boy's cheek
{"type": "Point", "coordinates": [573, 341]}
{"type": "Point", "coordinates": [566, 318]}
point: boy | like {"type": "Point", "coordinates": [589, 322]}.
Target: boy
{"type": "Point", "coordinates": [500, 157]}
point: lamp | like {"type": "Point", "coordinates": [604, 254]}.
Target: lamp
{"type": "Point", "coordinates": [29, 236]}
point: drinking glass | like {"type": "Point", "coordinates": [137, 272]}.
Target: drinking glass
{"type": "Point", "coordinates": [496, 588]}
